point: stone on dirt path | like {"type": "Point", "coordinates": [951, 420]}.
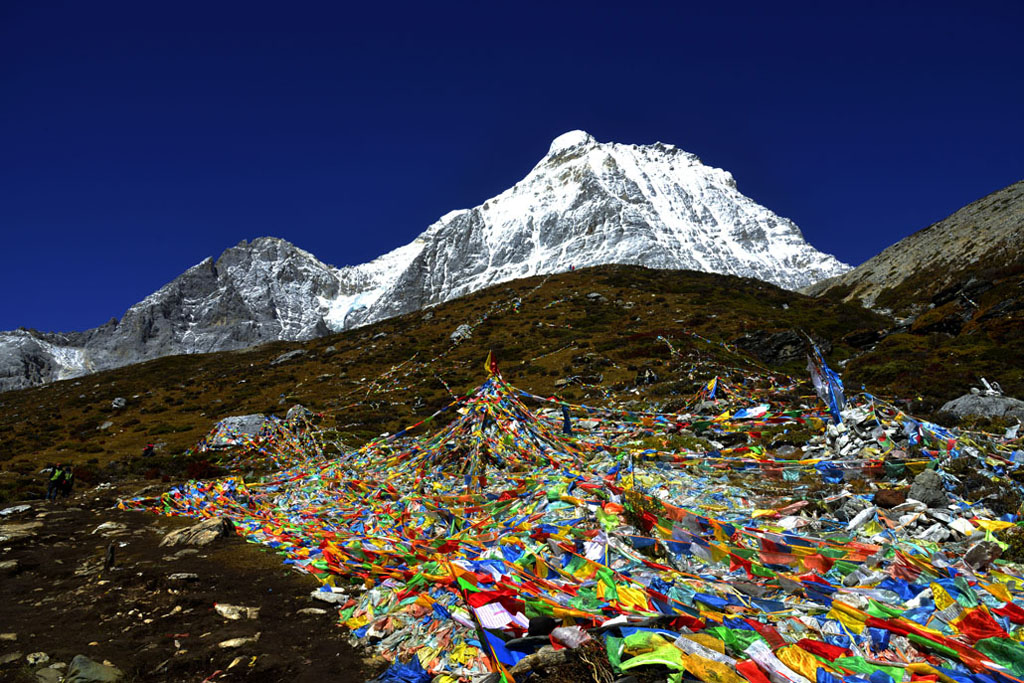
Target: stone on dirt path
{"type": "Point", "coordinates": [204, 533]}
{"type": "Point", "coordinates": [84, 670]}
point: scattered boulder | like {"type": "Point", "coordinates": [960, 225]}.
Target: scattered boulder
{"type": "Point", "coordinates": [9, 568]}
{"type": "Point", "coordinates": [110, 528]}
{"type": "Point", "coordinates": [48, 676]}
{"type": "Point", "coordinates": [84, 670]}
{"type": "Point", "coordinates": [298, 412]}
{"type": "Point", "coordinates": [329, 596]}
{"type": "Point", "coordinates": [37, 658]}
{"type": "Point", "coordinates": [203, 533]}
{"type": "Point", "coordinates": [288, 356]}
{"type": "Point", "coordinates": [18, 532]}
{"type": "Point", "coordinates": [788, 452]}
{"type": "Point", "coordinates": [461, 333]}
{"type": "Point", "coordinates": [238, 642]}
{"type": "Point", "coordinates": [852, 507]}
{"type": "Point", "coordinates": [982, 554]}
{"type": "Point", "coordinates": [596, 297]}
{"type": "Point", "coordinates": [10, 658]}
{"type": "Point", "coordinates": [985, 406]}
{"type": "Point", "coordinates": [236, 612]}
{"type": "Point", "coordinates": [928, 489]}
{"type": "Point", "coordinates": [183, 576]}
{"type": "Point", "coordinates": [330, 350]}
{"type": "Point", "coordinates": [119, 403]}
{"type": "Point", "coordinates": [231, 430]}
{"type": "Point", "coordinates": [312, 611]}
{"type": "Point", "coordinates": [890, 498]}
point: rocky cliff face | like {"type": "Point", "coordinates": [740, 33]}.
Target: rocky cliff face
{"type": "Point", "coordinates": [255, 292]}
{"type": "Point", "coordinates": [585, 203]}
{"type": "Point", "coordinates": [973, 246]}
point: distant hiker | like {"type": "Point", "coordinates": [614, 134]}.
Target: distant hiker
{"type": "Point", "coordinates": [566, 424]}
{"type": "Point", "coordinates": [68, 482]}
{"type": "Point", "coordinates": [56, 482]}
{"type": "Point", "coordinates": [147, 451]}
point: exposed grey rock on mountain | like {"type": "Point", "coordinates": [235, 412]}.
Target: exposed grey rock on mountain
{"type": "Point", "coordinates": [985, 235]}
{"type": "Point", "coordinates": [255, 292]}
{"type": "Point", "coordinates": [585, 203]}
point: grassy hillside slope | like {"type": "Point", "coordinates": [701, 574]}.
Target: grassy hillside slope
{"type": "Point", "coordinates": [598, 328]}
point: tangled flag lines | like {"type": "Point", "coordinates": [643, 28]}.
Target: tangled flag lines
{"type": "Point", "coordinates": [453, 551]}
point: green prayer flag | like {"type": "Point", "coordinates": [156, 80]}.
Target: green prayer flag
{"type": "Point", "coordinates": [862, 666]}
{"type": "Point", "coordinates": [466, 585]}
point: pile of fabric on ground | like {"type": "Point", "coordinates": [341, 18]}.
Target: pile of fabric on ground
{"type": "Point", "coordinates": [857, 543]}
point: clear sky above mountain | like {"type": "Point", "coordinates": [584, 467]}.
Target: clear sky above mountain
{"type": "Point", "coordinates": [138, 138]}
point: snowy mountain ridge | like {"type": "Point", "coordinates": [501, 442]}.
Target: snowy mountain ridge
{"type": "Point", "coordinates": [585, 203]}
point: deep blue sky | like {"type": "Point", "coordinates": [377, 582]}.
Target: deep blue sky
{"type": "Point", "coordinates": [137, 138]}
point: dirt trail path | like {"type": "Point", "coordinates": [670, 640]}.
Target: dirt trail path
{"type": "Point", "coordinates": [57, 599]}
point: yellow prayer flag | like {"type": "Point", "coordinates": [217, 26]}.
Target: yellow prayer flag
{"type": "Point", "coordinates": [942, 597]}
{"type": "Point", "coordinates": [994, 524]}
{"type": "Point", "coordinates": [998, 590]}
{"type": "Point", "coordinates": [632, 598]}
{"type": "Point", "coordinates": [800, 661]}
{"type": "Point", "coordinates": [709, 670]}
{"type": "Point", "coordinates": [849, 616]}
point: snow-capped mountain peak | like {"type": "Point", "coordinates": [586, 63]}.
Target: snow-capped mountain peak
{"type": "Point", "coordinates": [574, 138]}
{"type": "Point", "coordinates": [585, 203]}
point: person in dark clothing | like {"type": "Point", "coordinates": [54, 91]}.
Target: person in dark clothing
{"type": "Point", "coordinates": [68, 483]}
{"type": "Point", "coordinates": [55, 483]}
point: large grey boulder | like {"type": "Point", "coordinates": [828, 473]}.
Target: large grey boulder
{"type": "Point", "coordinates": [298, 412]}
{"type": "Point", "coordinates": [204, 533]}
{"type": "Point", "coordinates": [288, 356]}
{"type": "Point", "coordinates": [982, 555]}
{"type": "Point", "coordinates": [228, 430]}
{"type": "Point", "coordinates": [84, 670]}
{"type": "Point", "coordinates": [985, 406]}
{"type": "Point", "coordinates": [461, 333]}
{"type": "Point", "coordinates": [927, 488]}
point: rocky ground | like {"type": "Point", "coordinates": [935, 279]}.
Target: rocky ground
{"type": "Point", "coordinates": [154, 614]}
